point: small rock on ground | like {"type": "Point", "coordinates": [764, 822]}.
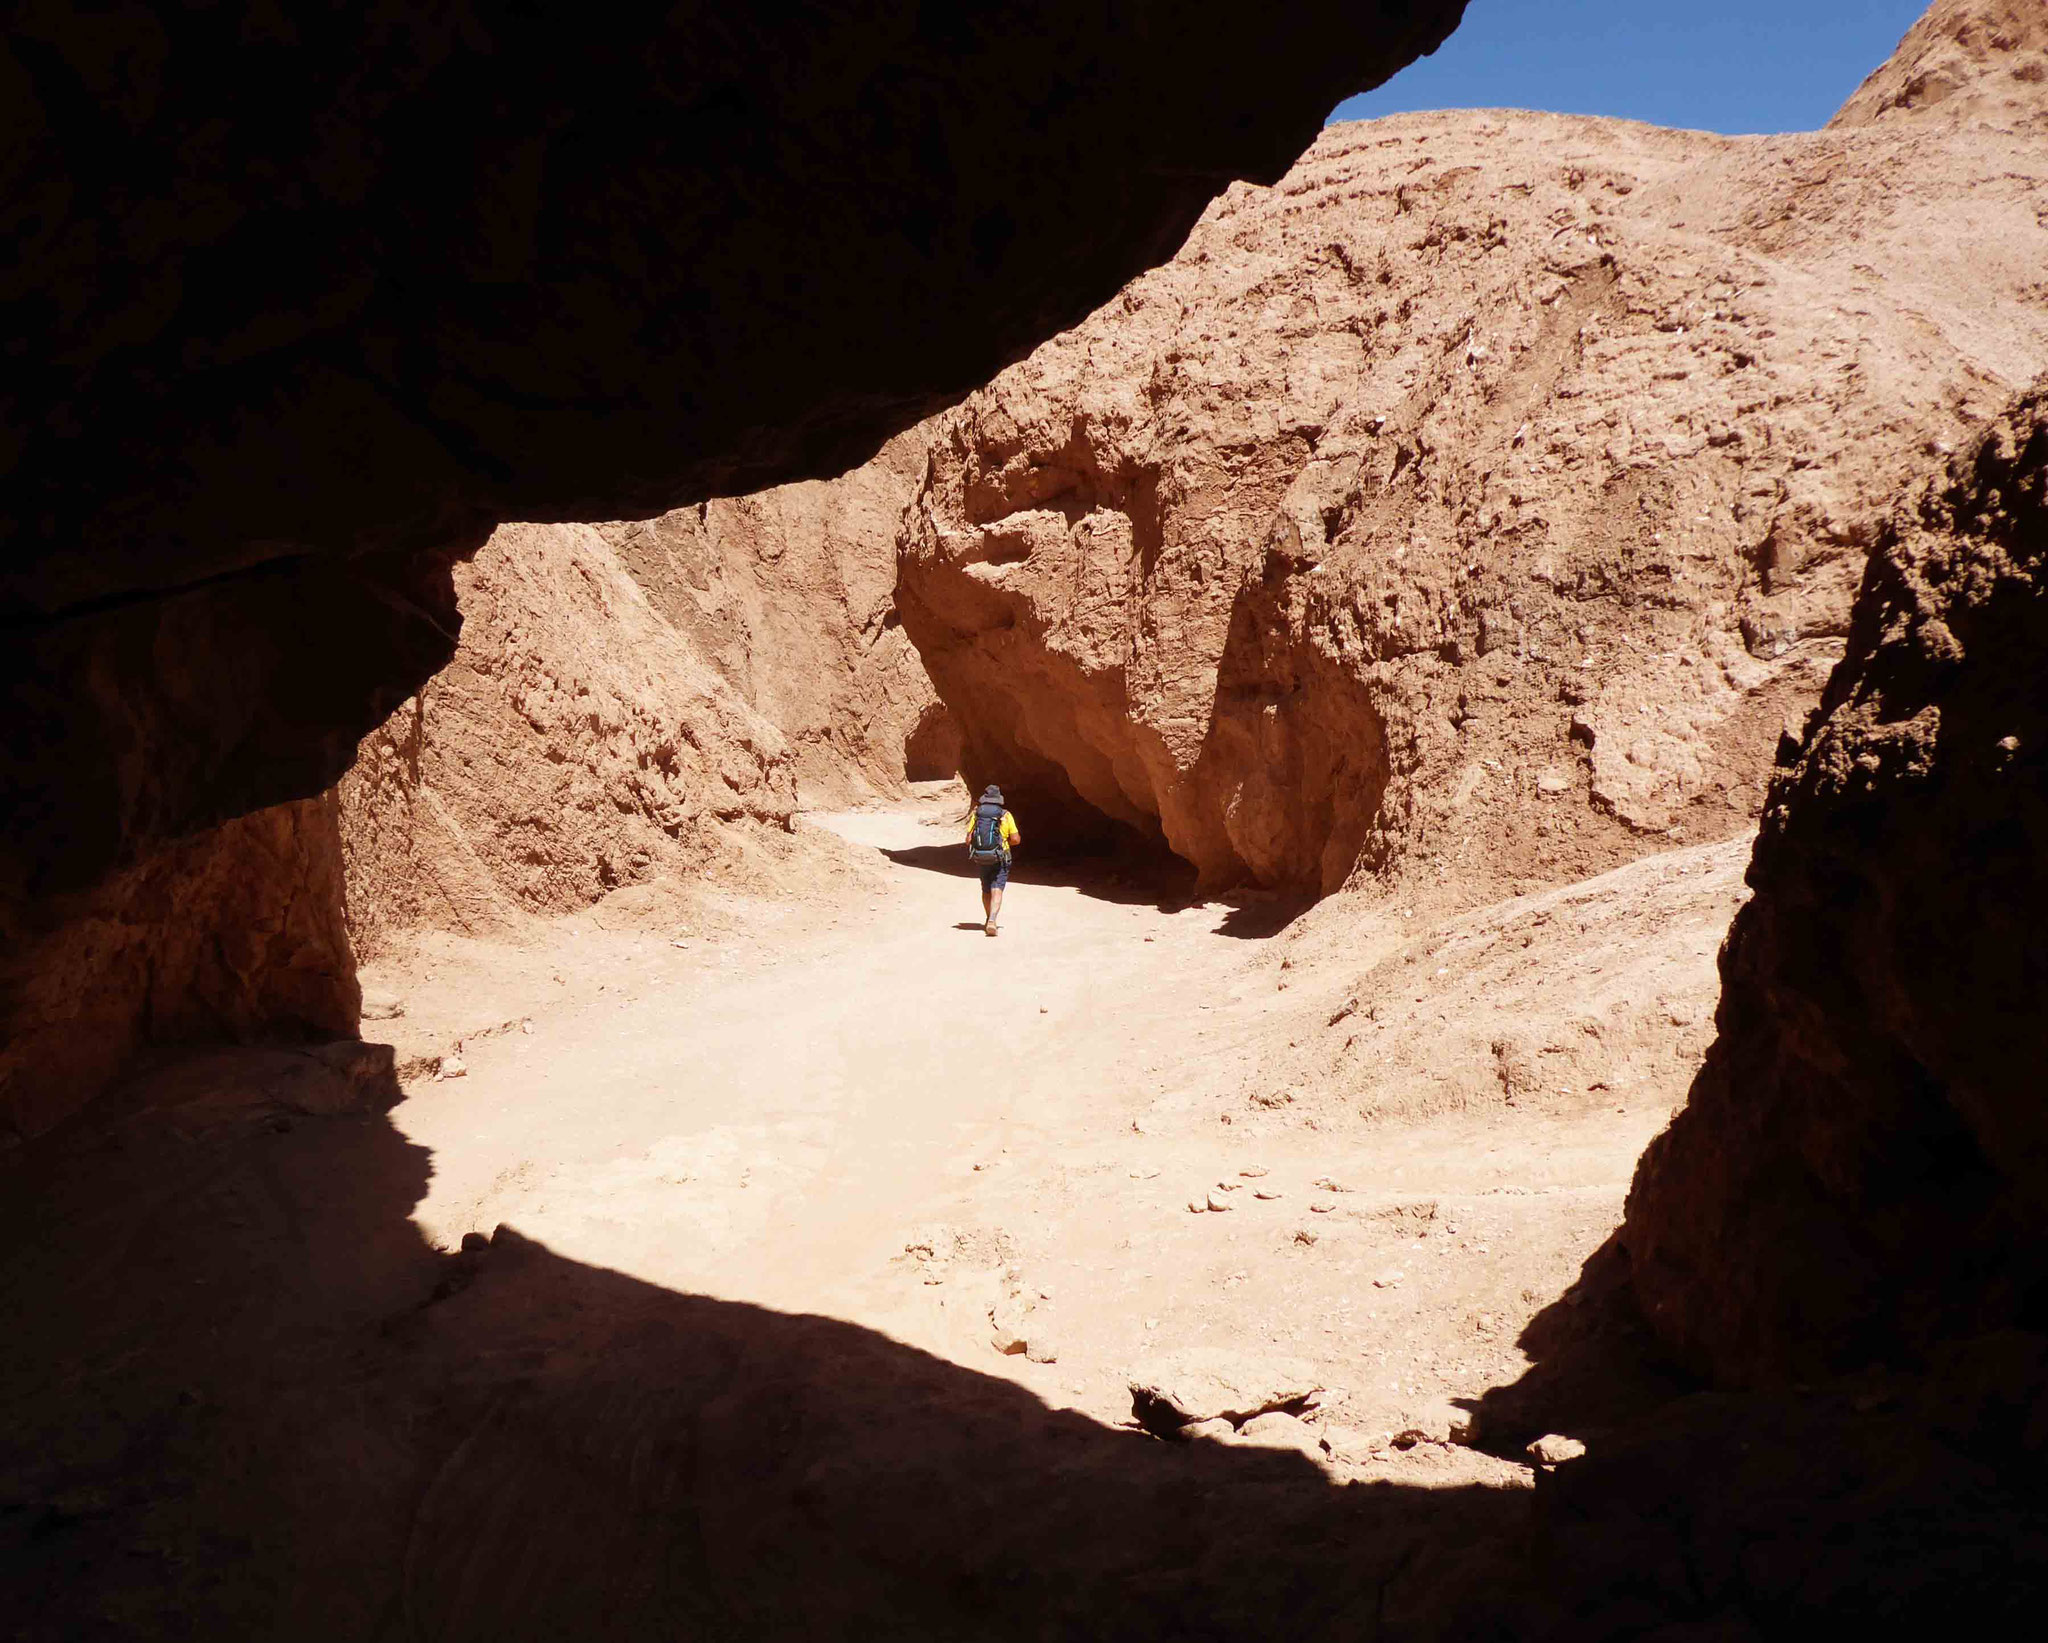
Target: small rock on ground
{"type": "Point", "coordinates": [1554, 1449]}
{"type": "Point", "coordinates": [1178, 1388]}
{"type": "Point", "coordinates": [1281, 1431]}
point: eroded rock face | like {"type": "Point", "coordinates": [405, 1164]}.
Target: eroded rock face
{"type": "Point", "coordinates": [635, 700]}
{"type": "Point", "coordinates": [577, 742]}
{"type": "Point", "coordinates": [1488, 493]}
{"type": "Point", "coordinates": [1862, 1170]}
{"type": "Point", "coordinates": [303, 310]}
{"type": "Point", "coordinates": [790, 594]}
{"type": "Point", "coordinates": [1963, 60]}
{"type": "Point", "coordinates": [237, 934]}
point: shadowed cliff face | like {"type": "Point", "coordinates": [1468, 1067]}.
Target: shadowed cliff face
{"type": "Point", "coordinates": [304, 307]}
{"type": "Point", "coordinates": [1862, 1170]}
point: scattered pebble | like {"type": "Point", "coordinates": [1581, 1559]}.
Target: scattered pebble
{"type": "Point", "coordinates": [1321, 1206]}
{"type": "Point", "coordinates": [1554, 1449]}
{"type": "Point", "coordinates": [452, 1066]}
{"type": "Point", "coordinates": [1251, 1172]}
{"type": "Point", "coordinates": [1268, 1193]}
{"type": "Point", "coordinates": [1218, 1202]}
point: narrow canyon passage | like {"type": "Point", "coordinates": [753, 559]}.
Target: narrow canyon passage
{"type": "Point", "coordinates": [873, 1113]}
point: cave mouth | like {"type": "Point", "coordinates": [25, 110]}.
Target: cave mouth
{"type": "Point", "coordinates": [1068, 840]}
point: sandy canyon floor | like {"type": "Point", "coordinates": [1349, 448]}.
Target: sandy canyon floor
{"type": "Point", "coordinates": [687, 1297]}
{"type": "Point", "coordinates": [853, 1104]}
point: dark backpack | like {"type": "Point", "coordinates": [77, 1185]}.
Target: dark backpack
{"type": "Point", "coordinates": [985, 843]}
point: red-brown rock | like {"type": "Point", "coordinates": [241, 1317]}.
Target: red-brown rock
{"type": "Point", "coordinates": [301, 309]}
{"type": "Point", "coordinates": [1861, 1172]}
{"type": "Point", "coordinates": [235, 935]}
{"type": "Point", "coordinates": [1488, 459]}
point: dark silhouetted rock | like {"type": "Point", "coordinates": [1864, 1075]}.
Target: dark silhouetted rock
{"type": "Point", "coordinates": [1862, 1169]}
{"type": "Point", "coordinates": [302, 307]}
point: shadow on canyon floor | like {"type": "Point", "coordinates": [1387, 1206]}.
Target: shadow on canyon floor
{"type": "Point", "coordinates": [242, 1397]}
{"type": "Point", "coordinates": [1127, 878]}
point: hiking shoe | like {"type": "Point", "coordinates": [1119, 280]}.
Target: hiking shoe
{"type": "Point", "coordinates": [988, 929]}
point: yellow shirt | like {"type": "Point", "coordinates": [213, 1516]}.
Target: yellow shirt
{"type": "Point", "coordinates": [1011, 836]}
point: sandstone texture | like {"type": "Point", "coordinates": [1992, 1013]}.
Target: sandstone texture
{"type": "Point", "coordinates": [790, 594]}
{"type": "Point", "coordinates": [636, 700]}
{"type": "Point", "coordinates": [576, 743]}
{"type": "Point", "coordinates": [1861, 1173]}
{"type": "Point", "coordinates": [235, 935]}
{"type": "Point", "coordinates": [1481, 500]}
{"type": "Point", "coordinates": [303, 308]}
{"type": "Point", "coordinates": [1964, 60]}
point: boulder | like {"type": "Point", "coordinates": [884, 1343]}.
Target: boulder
{"type": "Point", "coordinates": [1193, 1384]}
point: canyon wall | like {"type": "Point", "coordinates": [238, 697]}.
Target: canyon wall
{"type": "Point", "coordinates": [1479, 501]}
{"type": "Point", "coordinates": [303, 309]}
{"type": "Point", "coordinates": [631, 700]}
{"type": "Point", "coordinates": [1861, 1172]}
{"type": "Point", "coordinates": [235, 934]}
{"type": "Point", "coordinates": [790, 594]}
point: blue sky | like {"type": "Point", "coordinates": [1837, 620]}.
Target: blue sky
{"type": "Point", "coordinates": [1722, 65]}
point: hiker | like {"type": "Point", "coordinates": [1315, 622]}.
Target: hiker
{"type": "Point", "coordinates": [991, 836]}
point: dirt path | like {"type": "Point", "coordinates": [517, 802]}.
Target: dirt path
{"type": "Point", "coordinates": [773, 1135]}
{"type": "Point", "coordinates": [791, 1156]}
{"type": "Point", "coordinates": [875, 1114]}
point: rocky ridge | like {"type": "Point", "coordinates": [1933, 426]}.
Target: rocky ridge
{"type": "Point", "coordinates": [1479, 502]}
{"type": "Point", "coordinates": [1963, 60]}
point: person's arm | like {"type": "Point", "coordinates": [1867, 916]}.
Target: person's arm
{"type": "Point", "coordinates": [1011, 836]}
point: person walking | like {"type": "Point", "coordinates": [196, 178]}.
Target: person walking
{"type": "Point", "coordinates": [991, 836]}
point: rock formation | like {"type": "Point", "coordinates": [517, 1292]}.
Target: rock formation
{"type": "Point", "coordinates": [1484, 497]}
{"type": "Point", "coordinates": [629, 699]}
{"type": "Point", "coordinates": [303, 309]}
{"type": "Point", "coordinates": [234, 934]}
{"type": "Point", "coordinates": [1964, 60]}
{"type": "Point", "coordinates": [577, 742]}
{"type": "Point", "coordinates": [1862, 1171]}
{"type": "Point", "coordinates": [790, 594]}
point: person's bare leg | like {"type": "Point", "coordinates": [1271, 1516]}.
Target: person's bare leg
{"type": "Point", "coordinates": [987, 909]}
{"type": "Point", "coordinates": [995, 907]}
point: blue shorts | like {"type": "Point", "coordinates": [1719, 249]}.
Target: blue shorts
{"type": "Point", "coordinates": [995, 874]}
